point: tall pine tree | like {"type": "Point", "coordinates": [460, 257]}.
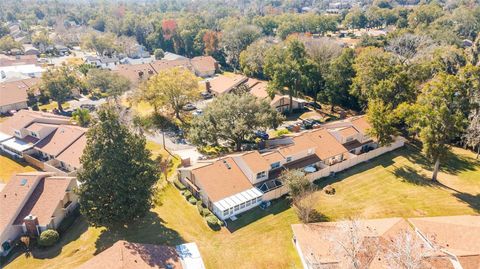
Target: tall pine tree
{"type": "Point", "coordinates": [118, 175]}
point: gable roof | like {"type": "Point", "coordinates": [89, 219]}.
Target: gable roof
{"type": "Point", "coordinates": [60, 139]}
{"type": "Point", "coordinates": [361, 124]}
{"type": "Point", "coordinates": [15, 193]}
{"type": "Point", "coordinates": [221, 179]}
{"type": "Point", "coordinates": [74, 152]}
{"type": "Point", "coordinates": [44, 199]}
{"type": "Point", "coordinates": [255, 161]}
{"type": "Point", "coordinates": [12, 93]}
{"type": "Point", "coordinates": [204, 63]}
{"type": "Point", "coordinates": [223, 83]}
{"type": "Point", "coordinates": [259, 90]}
{"type": "Point", "coordinates": [348, 131]}
{"type": "Point", "coordinates": [23, 118]}
{"type": "Point", "coordinates": [126, 255]}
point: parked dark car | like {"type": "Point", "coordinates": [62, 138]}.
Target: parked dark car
{"type": "Point", "coordinates": [90, 107]}
{"type": "Point", "coordinates": [189, 107]}
{"type": "Point", "coordinates": [262, 135]}
{"type": "Point", "coordinates": [206, 95]}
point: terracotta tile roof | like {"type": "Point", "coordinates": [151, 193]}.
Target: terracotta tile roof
{"type": "Point", "coordinates": [60, 139]}
{"type": "Point", "coordinates": [73, 153]}
{"type": "Point", "coordinates": [255, 162]}
{"type": "Point", "coordinates": [126, 255]}
{"type": "Point", "coordinates": [361, 124]}
{"type": "Point", "coordinates": [204, 63]}
{"type": "Point", "coordinates": [12, 93]}
{"type": "Point", "coordinates": [23, 118]}
{"type": "Point", "coordinates": [221, 179]}
{"type": "Point", "coordinates": [223, 84]}
{"type": "Point", "coordinates": [15, 193]}
{"type": "Point", "coordinates": [45, 198]}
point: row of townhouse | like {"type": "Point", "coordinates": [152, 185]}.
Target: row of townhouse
{"type": "Point", "coordinates": [47, 141]}
{"type": "Point", "coordinates": [239, 182]}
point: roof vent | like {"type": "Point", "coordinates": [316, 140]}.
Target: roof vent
{"type": "Point", "coordinates": [23, 182]}
{"type": "Point", "coordinates": [226, 164]}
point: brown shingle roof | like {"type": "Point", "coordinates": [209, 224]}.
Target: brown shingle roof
{"type": "Point", "coordinates": [60, 139]}
{"type": "Point", "coordinates": [221, 179]}
{"type": "Point", "coordinates": [319, 242]}
{"type": "Point", "coordinates": [361, 124]}
{"type": "Point", "coordinates": [273, 157]}
{"type": "Point", "coordinates": [12, 93]}
{"type": "Point", "coordinates": [349, 131]}
{"type": "Point", "coordinates": [15, 193]}
{"type": "Point", "coordinates": [44, 199]}
{"type": "Point", "coordinates": [126, 255]}
{"type": "Point", "coordinates": [255, 162]}
{"type": "Point", "coordinates": [223, 84]}
{"type": "Point", "coordinates": [73, 153]}
{"type": "Point", "coordinates": [204, 63]}
{"type": "Point", "coordinates": [23, 118]}
{"type": "Point", "coordinates": [259, 90]}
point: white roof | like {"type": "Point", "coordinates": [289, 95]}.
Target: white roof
{"type": "Point", "coordinates": [190, 256]}
{"type": "Point", "coordinates": [4, 137]}
{"type": "Point", "coordinates": [238, 199]}
{"type": "Point", "coordinates": [17, 144]}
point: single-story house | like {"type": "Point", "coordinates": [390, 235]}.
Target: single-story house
{"type": "Point", "coordinates": [223, 84]}
{"type": "Point", "coordinates": [34, 202]}
{"type": "Point", "coordinates": [440, 242]}
{"type": "Point", "coordinates": [138, 51]}
{"type": "Point", "coordinates": [127, 255]}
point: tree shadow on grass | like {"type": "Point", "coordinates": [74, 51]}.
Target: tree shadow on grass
{"type": "Point", "coordinates": [473, 201]}
{"type": "Point", "coordinates": [150, 229]}
{"type": "Point", "coordinates": [278, 206]}
{"type": "Point", "coordinates": [452, 163]}
{"type": "Point", "coordinates": [412, 176]}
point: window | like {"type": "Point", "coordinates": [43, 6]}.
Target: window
{"type": "Point", "coordinates": [259, 199]}
{"type": "Point", "coordinates": [275, 165]}
{"type": "Point", "coordinates": [33, 134]}
{"type": "Point", "coordinates": [261, 174]}
{"type": "Point", "coordinates": [225, 212]}
{"type": "Point", "coordinates": [242, 205]}
{"type": "Point", "coordinates": [289, 159]}
{"type": "Point", "coordinates": [248, 203]}
{"type": "Point", "coordinates": [237, 208]}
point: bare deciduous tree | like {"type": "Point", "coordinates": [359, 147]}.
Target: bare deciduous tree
{"type": "Point", "coordinates": [407, 251]}
{"type": "Point", "coordinates": [301, 192]}
{"type": "Point", "coordinates": [351, 244]}
{"type": "Point", "coordinates": [408, 46]}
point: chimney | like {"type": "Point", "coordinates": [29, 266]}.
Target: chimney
{"type": "Point", "coordinates": [31, 223]}
{"type": "Point", "coordinates": [140, 73]}
{"type": "Point", "coordinates": [217, 67]}
{"type": "Point", "coordinates": [207, 86]}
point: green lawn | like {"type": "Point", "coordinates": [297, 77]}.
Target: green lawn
{"type": "Point", "coordinates": [396, 184]}
{"type": "Point", "coordinates": [52, 105]}
{"type": "Point", "coordinates": [9, 167]}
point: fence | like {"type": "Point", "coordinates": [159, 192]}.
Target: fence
{"type": "Point", "coordinates": [275, 193]}
{"type": "Point", "coordinates": [355, 159]}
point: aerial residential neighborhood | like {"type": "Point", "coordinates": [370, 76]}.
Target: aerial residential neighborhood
{"type": "Point", "coordinates": [240, 134]}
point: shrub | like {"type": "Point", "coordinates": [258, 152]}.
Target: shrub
{"type": "Point", "coordinates": [179, 185]}
{"type": "Point", "coordinates": [212, 221]}
{"type": "Point", "coordinates": [187, 194]}
{"type": "Point", "coordinates": [329, 190]}
{"type": "Point", "coordinates": [200, 208]}
{"type": "Point", "coordinates": [192, 200]}
{"type": "Point", "coordinates": [281, 132]}
{"type": "Point", "coordinates": [48, 238]}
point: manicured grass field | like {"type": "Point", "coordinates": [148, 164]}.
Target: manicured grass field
{"type": "Point", "coordinates": [395, 184]}
{"type": "Point", "coordinates": [9, 167]}
{"type": "Point", "coordinates": [52, 105]}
